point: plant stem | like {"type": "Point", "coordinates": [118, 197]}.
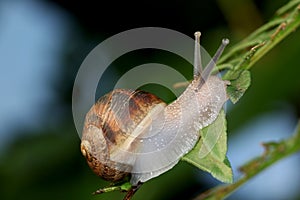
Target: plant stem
{"type": "Point", "coordinates": [256, 45]}
{"type": "Point", "coordinates": [273, 152]}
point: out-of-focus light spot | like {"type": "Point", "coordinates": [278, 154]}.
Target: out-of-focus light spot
{"type": "Point", "coordinates": [280, 181]}
{"type": "Point", "coordinates": [31, 36]}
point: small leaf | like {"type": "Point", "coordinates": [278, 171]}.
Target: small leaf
{"type": "Point", "coordinates": [239, 83]}
{"type": "Point", "coordinates": [274, 152]}
{"type": "Point", "coordinates": [210, 152]}
{"type": "Point", "coordinates": [126, 186]}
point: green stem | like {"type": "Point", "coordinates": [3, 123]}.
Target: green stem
{"type": "Point", "coordinates": [284, 29]}
{"type": "Point", "coordinates": [256, 45]}
{"type": "Point", "coordinates": [273, 153]}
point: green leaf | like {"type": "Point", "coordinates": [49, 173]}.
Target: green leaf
{"type": "Point", "coordinates": [120, 186]}
{"type": "Point", "coordinates": [126, 186]}
{"type": "Point", "coordinates": [239, 83]}
{"type": "Point", "coordinates": [274, 152]}
{"type": "Point", "coordinates": [210, 152]}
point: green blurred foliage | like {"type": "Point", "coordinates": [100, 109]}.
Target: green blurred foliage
{"type": "Point", "coordinates": [47, 164]}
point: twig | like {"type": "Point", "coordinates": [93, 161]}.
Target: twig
{"type": "Point", "coordinates": [273, 153]}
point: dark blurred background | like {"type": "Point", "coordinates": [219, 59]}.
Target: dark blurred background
{"type": "Point", "coordinates": [42, 45]}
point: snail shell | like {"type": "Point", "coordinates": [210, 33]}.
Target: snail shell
{"type": "Point", "coordinates": [107, 127]}
{"type": "Point", "coordinates": [135, 132]}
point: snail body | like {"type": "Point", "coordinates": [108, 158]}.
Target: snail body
{"type": "Point", "coordinates": [134, 132]}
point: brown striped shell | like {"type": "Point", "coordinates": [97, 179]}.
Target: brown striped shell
{"type": "Point", "coordinates": [107, 126]}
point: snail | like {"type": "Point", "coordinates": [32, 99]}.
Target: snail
{"type": "Point", "coordinates": [133, 132]}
